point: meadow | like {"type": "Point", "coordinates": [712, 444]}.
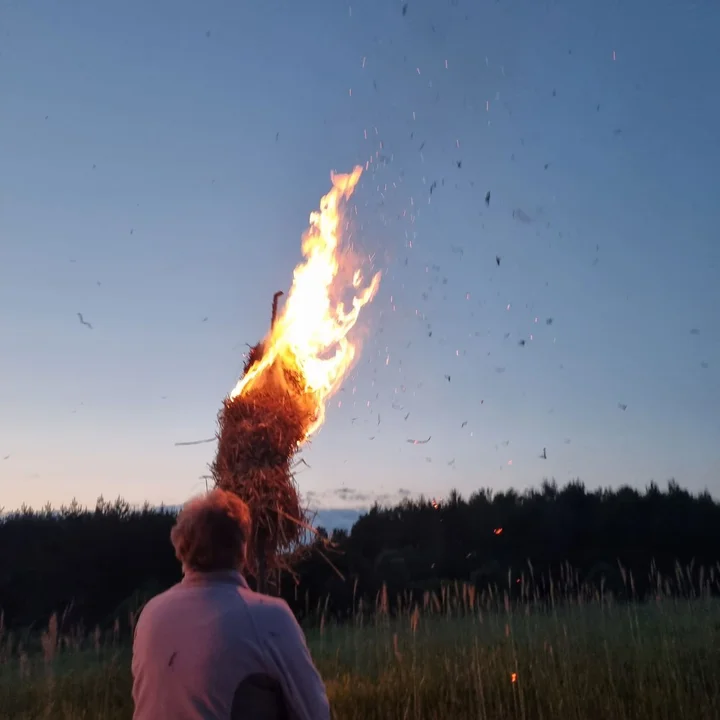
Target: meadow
{"type": "Point", "coordinates": [458, 655]}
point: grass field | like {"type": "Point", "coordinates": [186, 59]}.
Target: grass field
{"type": "Point", "coordinates": [457, 659]}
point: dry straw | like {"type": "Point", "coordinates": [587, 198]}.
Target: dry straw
{"type": "Point", "coordinates": [259, 432]}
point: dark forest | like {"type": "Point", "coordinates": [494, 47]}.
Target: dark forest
{"type": "Point", "coordinates": [92, 567]}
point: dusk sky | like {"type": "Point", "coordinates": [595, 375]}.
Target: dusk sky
{"type": "Point", "coordinates": [158, 165]}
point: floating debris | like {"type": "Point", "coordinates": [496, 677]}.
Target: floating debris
{"type": "Point", "coordinates": [84, 322]}
{"type": "Point", "coordinates": [420, 442]}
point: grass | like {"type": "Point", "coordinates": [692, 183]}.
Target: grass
{"type": "Point", "coordinates": [458, 657]}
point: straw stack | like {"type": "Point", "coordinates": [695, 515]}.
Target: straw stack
{"type": "Point", "coordinates": [258, 435]}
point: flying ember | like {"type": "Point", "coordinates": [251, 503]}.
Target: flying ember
{"type": "Point", "coordinates": [310, 337]}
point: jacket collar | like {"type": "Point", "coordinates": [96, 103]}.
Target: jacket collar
{"type": "Point", "coordinates": [222, 577]}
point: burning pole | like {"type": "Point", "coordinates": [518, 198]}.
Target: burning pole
{"type": "Point", "coordinates": [288, 377]}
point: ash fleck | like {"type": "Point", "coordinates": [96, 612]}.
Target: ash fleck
{"type": "Point", "coordinates": [84, 322]}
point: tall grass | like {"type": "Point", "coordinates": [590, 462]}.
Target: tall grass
{"type": "Point", "coordinates": [458, 654]}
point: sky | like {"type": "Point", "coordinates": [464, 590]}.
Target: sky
{"type": "Point", "coordinates": [158, 165]}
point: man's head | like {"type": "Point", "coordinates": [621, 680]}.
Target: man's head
{"type": "Point", "coordinates": [211, 532]}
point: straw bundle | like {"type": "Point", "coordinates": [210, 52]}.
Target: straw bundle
{"type": "Point", "coordinates": [259, 432]}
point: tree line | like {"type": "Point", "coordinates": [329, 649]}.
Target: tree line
{"type": "Point", "coordinates": [93, 566]}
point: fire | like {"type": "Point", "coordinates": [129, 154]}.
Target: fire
{"type": "Point", "coordinates": [311, 334]}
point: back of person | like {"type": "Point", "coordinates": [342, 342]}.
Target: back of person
{"type": "Point", "coordinates": [212, 649]}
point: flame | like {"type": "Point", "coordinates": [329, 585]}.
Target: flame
{"type": "Point", "coordinates": [311, 334]}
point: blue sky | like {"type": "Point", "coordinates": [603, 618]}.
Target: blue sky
{"type": "Point", "coordinates": [159, 164]}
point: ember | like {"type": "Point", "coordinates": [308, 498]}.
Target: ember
{"type": "Point", "coordinates": [289, 376]}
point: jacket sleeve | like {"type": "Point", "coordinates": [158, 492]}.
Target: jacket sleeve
{"type": "Point", "coordinates": [288, 653]}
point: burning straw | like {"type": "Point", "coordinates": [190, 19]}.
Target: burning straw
{"type": "Point", "coordinates": [280, 400]}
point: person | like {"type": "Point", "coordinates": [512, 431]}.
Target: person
{"type": "Point", "coordinates": [210, 648]}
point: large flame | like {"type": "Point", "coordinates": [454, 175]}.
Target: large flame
{"type": "Point", "coordinates": [311, 334]}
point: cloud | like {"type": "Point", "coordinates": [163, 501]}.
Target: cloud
{"type": "Point", "coordinates": [353, 499]}
{"type": "Point", "coordinates": [351, 495]}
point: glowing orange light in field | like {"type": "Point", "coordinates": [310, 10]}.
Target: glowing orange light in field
{"type": "Point", "coordinates": [497, 531]}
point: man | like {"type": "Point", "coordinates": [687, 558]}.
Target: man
{"type": "Point", "coordinates": [212, 649]}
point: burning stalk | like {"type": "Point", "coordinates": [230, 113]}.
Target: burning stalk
{"type": "Point", "coordinates": [288, 377]}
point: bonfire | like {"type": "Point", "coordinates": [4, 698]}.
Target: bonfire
{"type": "Point", "coordinates": [288, 378]}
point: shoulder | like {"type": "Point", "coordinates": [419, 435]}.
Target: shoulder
{"type": "Point", "coordinates": [157, 603]}
{"type": "Point", "coordinates": [269, 613]}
